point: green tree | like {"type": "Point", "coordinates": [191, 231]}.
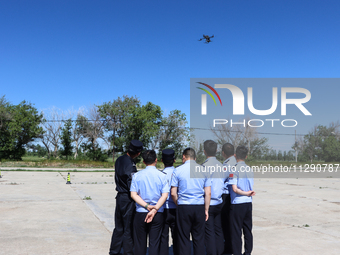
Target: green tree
{"type": "Point", "coordinates": [200, 157]}
{"type": "Point", "coordinates": [319, 143]}
{"type": "Point", "coordinates": [143, 124]}
{"type": "Point", "coordinates": [290, 155]}
{"type": "Point", "coordinates": [331, 149]}
{"type": "Point", "coordinates": [77, 135]}
{"type": "Point", "coordinates": [31, 149]}
{"type": "Point", "coordinates": [41, 151]}
{"type": "Point", "coordinates": [19, 125]}
{"type": "Point", "coordinates": [272, 154]}
{"type": "Point", "coordinates": [114, 113]}
{"type": "Point", "coordinates": [66, 139]}
{"type": "Point", "coordinates": [259, 148]}
{"type": "Point", "coordinates": [91, 127]}
{"type": "Point", "coordinates": [173, 133]}
{"type": "Point", "coordinates": [94, 152]}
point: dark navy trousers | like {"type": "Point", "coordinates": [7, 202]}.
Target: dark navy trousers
{"type": "Point", "coordinates": [190, 219]}
{"type": "Point", "coordinates": [241, 219]}
{"type": "Point", "coordinates": [141, 230]}
{"type": "Point", "coordinates": [122, 234]}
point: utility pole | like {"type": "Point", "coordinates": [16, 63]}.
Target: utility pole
{"type": "Point", "coordinates": [116, 123]}
{"type": "Point", "coordinates": [295, 147]}
{"type": "Point", "coordinates": [113, 139]}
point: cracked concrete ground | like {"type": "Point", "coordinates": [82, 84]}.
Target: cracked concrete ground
{"type": "Point", "coordinates": [41, 214]}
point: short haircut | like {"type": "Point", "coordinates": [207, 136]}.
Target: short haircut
{"type": "Point", "coordinates": [210, 147]}
{"type": "Point", "coordinates": [241, 152]}
{"type": "Point", "coordinates": [189, 153]}
{"type": "Point", "coordinates": [149, 157]}
{"type": "Point", "coordinates": [168, 162]}
{"type": "Point", "coordinates": [132, 152]}
{"type": "Point", "coordinates": [228, 149]}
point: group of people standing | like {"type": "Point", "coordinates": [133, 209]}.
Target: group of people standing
{"type": "Point", "coordinates": [212, 207]}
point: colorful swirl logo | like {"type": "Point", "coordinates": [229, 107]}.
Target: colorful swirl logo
{"type": "Point", "coordinates": [209, 93]}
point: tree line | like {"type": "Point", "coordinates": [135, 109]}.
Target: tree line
{"type": "Point", "coordinates": [101, 131]}
{"type": "Point", "coordinates": [322, 143]}
{"type": "Point", "coordinates": [258, 148]}
{"type": "Point", "coordinates": [91, 133]}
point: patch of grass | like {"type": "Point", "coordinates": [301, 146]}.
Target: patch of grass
{"type": "Point", "coordinates": [32, 158]}
{"type": "Point", "coordinates": [87, 198]}
{"type": "Point", "coordinates": [303, 226]}
{"type": "Point", "coordinates": [34, 161]}
{"type": "Point", "coordinates": [59, 171]}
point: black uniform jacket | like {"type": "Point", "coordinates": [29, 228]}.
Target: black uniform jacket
{"type": "Point", "coordinates": [125, 167]}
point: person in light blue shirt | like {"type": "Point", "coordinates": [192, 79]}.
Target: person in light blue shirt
{"type": "Point", "coordinates": [214, 239]}
{"type": "Point", "coordinates": [228, 152]}
{"type": "Point", "coordinates": [168, 159]}
{"type": "Point", "coordinates": [241, 180]}
{"type": "Point", "coordinates": [191, 192]}
{"type": "Point", "coordinates": [149, 189]}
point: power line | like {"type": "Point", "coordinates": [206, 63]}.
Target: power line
{"type": "Point", "coordinates": [238, 131]}
{"type": "Point", "coordinates": [188, 128]}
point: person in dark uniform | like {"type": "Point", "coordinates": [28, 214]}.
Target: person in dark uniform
{"type": "Point", "coordinates": [228, 152]}
{"type": "Point", "coordinates": [242, 181]}
{"type": "Point", "coordinates": [168, 158]}
{"type": "Point", "coordinates": [125, 167]}
{"type": "Point", "coordinates": [150, 190]}
{"type": "Point", "coordinates": [192, 193]}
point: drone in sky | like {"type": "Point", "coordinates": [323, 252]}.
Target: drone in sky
{"type": "Point", "coordinates": [206, 38]}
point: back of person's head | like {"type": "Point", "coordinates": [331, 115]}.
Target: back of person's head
{"type": "Point", "coordinates": [228, 149]}
{"type": "Point", "coordinates": [189, 153]}
{"type": "Point", "coordinates": [168, 157]}
{"type": "Point", "coordinates": [132, 153]}
{"type": "Point", "coordinates": [149, 157]}
{"type": "Point", "coordinates": [210, 148]}
{"type": "Point", "coordinates": [134, 148]}
{"type": "Point", "coordinates": [241, 152]}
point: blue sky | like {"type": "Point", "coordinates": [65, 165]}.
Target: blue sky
{"type": "Point", "coordinates": [78, 53]}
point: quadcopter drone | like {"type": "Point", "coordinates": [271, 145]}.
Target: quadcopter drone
{"type": "Point", "coordinates": [207, 38]}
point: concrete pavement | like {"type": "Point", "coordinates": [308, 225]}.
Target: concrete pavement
{"type": "Point", "coordinates": [41, 214]}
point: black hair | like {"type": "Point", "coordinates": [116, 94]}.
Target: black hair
{"type": "Point", "coordinates": [168, 162]}
{"type": "Point", "coordinates": [189, 153]}
{"type": "Point", "coordinates": [149, 157]}
{"type": "Point", "coordinates": [228, 149]}
{"type": "Point", "coordinates": [210, 147]}
{"type": "Point", "coordinates": [241, 152]}
{"type": "Point", "coordinates": [132, 152]}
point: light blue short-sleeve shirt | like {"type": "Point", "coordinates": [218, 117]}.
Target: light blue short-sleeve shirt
{"type": "Point", "coordinates": [169, 204]}
{"type": "Point", "coordinates": [218, 175]}
{"type": "Point", "coordinates": [190, 190]}
{"type": "Point", "coordinates": [243, 177]}
{"type": "Point", "coordinates": [149, 184]}
{"type": "Point", "coordinates": [229, 163]}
